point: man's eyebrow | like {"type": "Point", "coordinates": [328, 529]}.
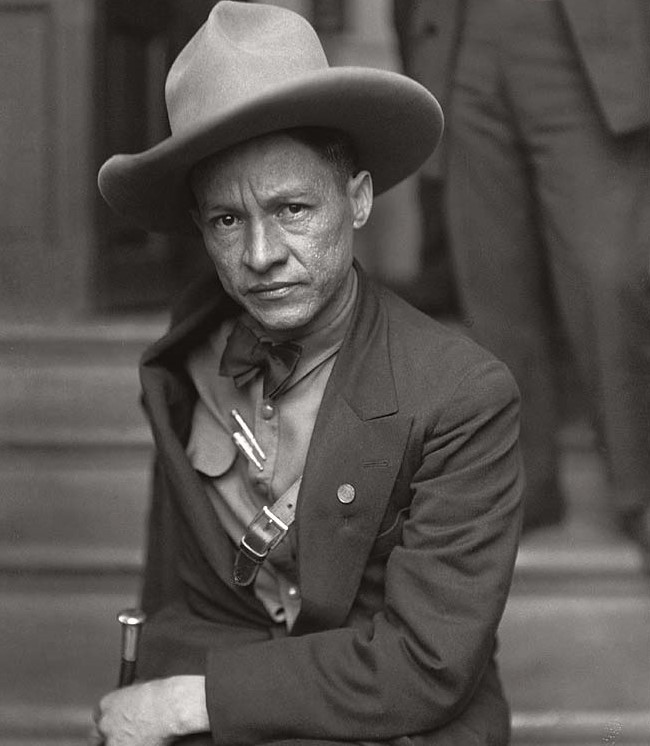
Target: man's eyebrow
{"type": "Point", "coordinates": [218, 202]}
{"type": "Point", "coordinates": [289, 193]}
{"type": "Point", "coordinates": [208, 204]}
{"type": "Point", "coordinates": [282, 194]}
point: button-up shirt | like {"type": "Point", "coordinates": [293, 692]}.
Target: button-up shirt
{"type": "Point", "coordinates": [283, 428]}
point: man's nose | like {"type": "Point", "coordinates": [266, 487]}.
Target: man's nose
{"type": "Point", "coordinates": [264, 248]}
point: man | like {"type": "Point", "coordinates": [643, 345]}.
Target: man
{"type": "Point", "coordinates": [336, 497]}
{"type": "Point", "coordinates": [547, 175]}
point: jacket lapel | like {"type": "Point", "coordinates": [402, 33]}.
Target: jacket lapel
{"type": "Point", "coordinates": [169, 400]}
{"type": "Point", "coordinates": [356, 450]}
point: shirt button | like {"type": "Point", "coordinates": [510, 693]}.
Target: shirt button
{"type": "Point", "coordinates": [268, 410]}
{"type": "Point", "coordinates": [346, 493]}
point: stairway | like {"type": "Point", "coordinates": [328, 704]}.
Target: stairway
{"type": "Point", "coordinates": [575, 638]}
{"type": "Point", "coordinates": [74, 456]}
{"type": "Point", "coordinates": [74, 460]}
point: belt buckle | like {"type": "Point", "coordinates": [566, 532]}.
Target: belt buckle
{"type": "Point", "coordinates": [264, 533]}
{"type": "Point", "coordinates": [260, 528]}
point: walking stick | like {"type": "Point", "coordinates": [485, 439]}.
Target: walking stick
{"type": "Point", "coordinates": [131, 621]}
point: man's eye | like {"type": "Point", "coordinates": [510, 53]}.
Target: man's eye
{"type": "Point", "coordinates": [223, 221]}
{"type": "Point", "coordinates": [293, 208]}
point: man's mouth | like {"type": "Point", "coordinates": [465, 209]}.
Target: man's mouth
{"type": "Point", "coordinates": [271, 290]}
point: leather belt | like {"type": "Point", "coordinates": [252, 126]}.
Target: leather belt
{"type": "Point", "coordinates": [264, 533]}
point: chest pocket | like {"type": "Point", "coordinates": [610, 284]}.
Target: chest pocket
{"type": "Point", "coordinates": [210, 449]}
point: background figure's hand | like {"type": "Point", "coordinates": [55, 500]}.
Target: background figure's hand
{"type": "Point", "coordinates": [151, 714]}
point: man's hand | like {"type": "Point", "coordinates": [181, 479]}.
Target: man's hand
{"type": "Point", "coordinates": [151, 714]}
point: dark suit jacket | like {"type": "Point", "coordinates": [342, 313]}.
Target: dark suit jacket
{"type": "Point", "coordinates": [402, 589]}
{"type": "Point", "coordinates": [612, 40]}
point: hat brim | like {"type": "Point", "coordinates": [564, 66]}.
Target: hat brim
{"type": "Point", "coordinates": [394, 122]}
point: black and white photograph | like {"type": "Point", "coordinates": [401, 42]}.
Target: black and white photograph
{"type": "Point", "coordinates": [324, 372]}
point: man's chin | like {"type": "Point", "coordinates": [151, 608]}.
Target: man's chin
{"type": "Point", "coordinates": [281, 321]}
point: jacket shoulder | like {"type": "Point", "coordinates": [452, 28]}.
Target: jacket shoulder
{"type": "Point", "coordinates": [427, 354]}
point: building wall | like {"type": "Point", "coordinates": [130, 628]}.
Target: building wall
{"type": "Point", "coordinates": [46, 164]}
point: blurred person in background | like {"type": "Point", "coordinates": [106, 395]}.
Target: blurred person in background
{"type": "Point", "coordinates": [546, 168]}
{"type": "Point", "coordinates": [336, 501]}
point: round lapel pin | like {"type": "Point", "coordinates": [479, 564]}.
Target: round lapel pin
{"type": "Point", "coordinates": [346, 493]}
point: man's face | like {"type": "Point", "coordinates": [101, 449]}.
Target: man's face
{"type": "Point", "coordinates": [278, 223]}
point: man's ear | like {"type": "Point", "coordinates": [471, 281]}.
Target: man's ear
{"type": "Point", "coordinates": [361, 195]}
{"type": "Point", "coordinates": [196, 217]}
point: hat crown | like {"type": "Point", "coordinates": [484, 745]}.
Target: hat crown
{"type": "Point", "coordinates": [252, 69]}
{"type": "Point", "coordinates": [242, 52]}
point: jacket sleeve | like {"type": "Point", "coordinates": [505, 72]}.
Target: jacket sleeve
{"type": "Point", "coordinates": [446, 586]}
{"type": "Point", "coordinates": [161, 584]}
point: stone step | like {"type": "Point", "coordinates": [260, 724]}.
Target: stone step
{"type": "Point", "coordinates": [74, 446]}
{"type": "Point", "coordinates": [577, 652]}
{"type": "Point", "coordinates": [84, 509]}
{"type": "Point", "coordinates": [93, 519]}
{"type": "Point", "coordinates": [34, 726]}
{"type": "Point", "coordinates": [575, 728]}
{"type": "Point", "coordinates": [60, 507]}
{"type": "Point", "coordinates": [558, 653]}
{"type": "Point", "coordinates": [72, 384]}
{"type": "Point", "coordinates": [60, 650]}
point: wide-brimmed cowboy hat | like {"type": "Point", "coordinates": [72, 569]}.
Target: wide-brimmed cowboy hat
{"type": "Point", "coordinates": [252, 69]}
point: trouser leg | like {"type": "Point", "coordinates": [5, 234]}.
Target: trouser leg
{"type": "Point", "coordinates": [593, 192]}
{"type": "Point", "coordinates": [498, 250]}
